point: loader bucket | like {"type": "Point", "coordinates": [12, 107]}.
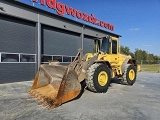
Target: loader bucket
{"type": "Point", "coordinates": [55, 85]}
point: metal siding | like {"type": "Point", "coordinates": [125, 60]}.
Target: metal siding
{"type": "Point", "coordinates": [15, 72]}
{"type": "Point", "coordinates": [93, 32]}
{"type": "Point", "coordinates": [88, 45]}
{"type": "Point", "coordinates": [18, 10]}
{"type": "Point", "coordinates": [60, 23]}
{"type": "Point", "coordinates": [59, 42]}
{"type": "Point", "coordinates": [15, 8]}
{"type": "Point", "coordinates": [16, 36]}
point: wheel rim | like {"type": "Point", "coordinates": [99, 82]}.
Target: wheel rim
{"type": "Point", "coordinates": [131, 74]}
{"type": "Point", "coordinates": [102, 78]}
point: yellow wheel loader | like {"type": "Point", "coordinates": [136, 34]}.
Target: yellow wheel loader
{"type": "Point", "coordinates": [55, 84]}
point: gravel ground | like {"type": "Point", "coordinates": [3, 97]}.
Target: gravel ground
{"type": "Point", "coordinates": [138, 102]}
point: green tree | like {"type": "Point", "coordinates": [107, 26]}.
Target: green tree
{"type": "Point", "coordinates": [150, 58]}
{"type": "Point", "coordinates": [141, 56]}
{"type": "Point", "coordinates": [125, 50]}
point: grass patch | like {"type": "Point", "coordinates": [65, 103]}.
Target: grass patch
{"type": "Point", "coordinates": [151, 67]}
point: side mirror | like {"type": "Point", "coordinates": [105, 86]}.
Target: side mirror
{"type": "Point", "coordinates": [110, 39]}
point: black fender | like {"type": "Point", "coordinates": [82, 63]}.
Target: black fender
{"type": "Point", "coordinates": [128, 61]}
{"type": "Point", "coordinates": [88, 63]}
{"type": "Point", "coordinates": [103, 62]}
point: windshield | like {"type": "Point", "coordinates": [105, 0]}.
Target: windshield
{"type": "Point", "coordinates": [105, 45]}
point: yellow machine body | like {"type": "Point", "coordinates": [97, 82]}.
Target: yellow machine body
{"type": "Point", "coordinates": [55, 84]}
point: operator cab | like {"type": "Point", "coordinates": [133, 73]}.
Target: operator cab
{"type": "Point", "coordinates": [107, 45]}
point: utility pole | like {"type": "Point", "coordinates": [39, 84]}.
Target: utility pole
{"type": "Point", "coordinates": [159, 64]}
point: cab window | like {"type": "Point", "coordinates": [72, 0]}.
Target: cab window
{"type": "Point", "coordinates": [114, 47]}
{"type": "Point", "coordinates": [105, 47]}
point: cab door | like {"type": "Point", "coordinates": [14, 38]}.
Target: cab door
{"type": "Point", "coordinates": [114, 51]}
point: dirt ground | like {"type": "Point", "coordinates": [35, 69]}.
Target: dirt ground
{"type": "Point", "coordinates": [138, 102]}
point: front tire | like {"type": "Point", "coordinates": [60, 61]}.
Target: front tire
{"type": "Point", "coordinates": [98, 78]}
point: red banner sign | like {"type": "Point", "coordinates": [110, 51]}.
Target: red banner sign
{"type": "Point", "coordinates": [63, 9]}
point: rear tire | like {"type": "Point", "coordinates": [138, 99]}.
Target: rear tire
{"type": "Point", "coordinates": [129, 76]}
{"type": "Point", "coordinates": [98, 78]}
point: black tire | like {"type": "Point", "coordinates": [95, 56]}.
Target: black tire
{"type": "Point", "coordinates": [94, 71]}
{"type": "Point", "coordinates": [127, 78]}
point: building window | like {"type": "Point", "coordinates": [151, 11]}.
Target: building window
{"type": "Point", "coordinates": [17, 57]}
{"type": "Point", "coordinates": [27, 58]}
{"type": "Point", "coordinates": [66, 59]}
{"type": "Point", "coordinates": [6, 57]}
{"type": "Point", "coordinates": [73, 58]}
{"type": "Point", "coordinates": [46, 58]}
{"type": "Point", "coordinates": [57, 58]}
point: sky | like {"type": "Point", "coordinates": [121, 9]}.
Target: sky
{"type": "Point", "coordinates": [137, 21]}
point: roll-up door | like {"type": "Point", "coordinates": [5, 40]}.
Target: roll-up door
{"type": "Point", "coordinates": [58, 44]}
{"type": "Point", "coordinates": [17, 50]}
{"type": "Point", "coordinates": [88, 44]}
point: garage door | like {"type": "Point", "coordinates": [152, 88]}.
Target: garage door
{"type": "Point", "coordinates": [88, 44]}
{"type": "Point", "coordinates": [58, 44]}
{"type": "Point", "coordinates": [17, 50]}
